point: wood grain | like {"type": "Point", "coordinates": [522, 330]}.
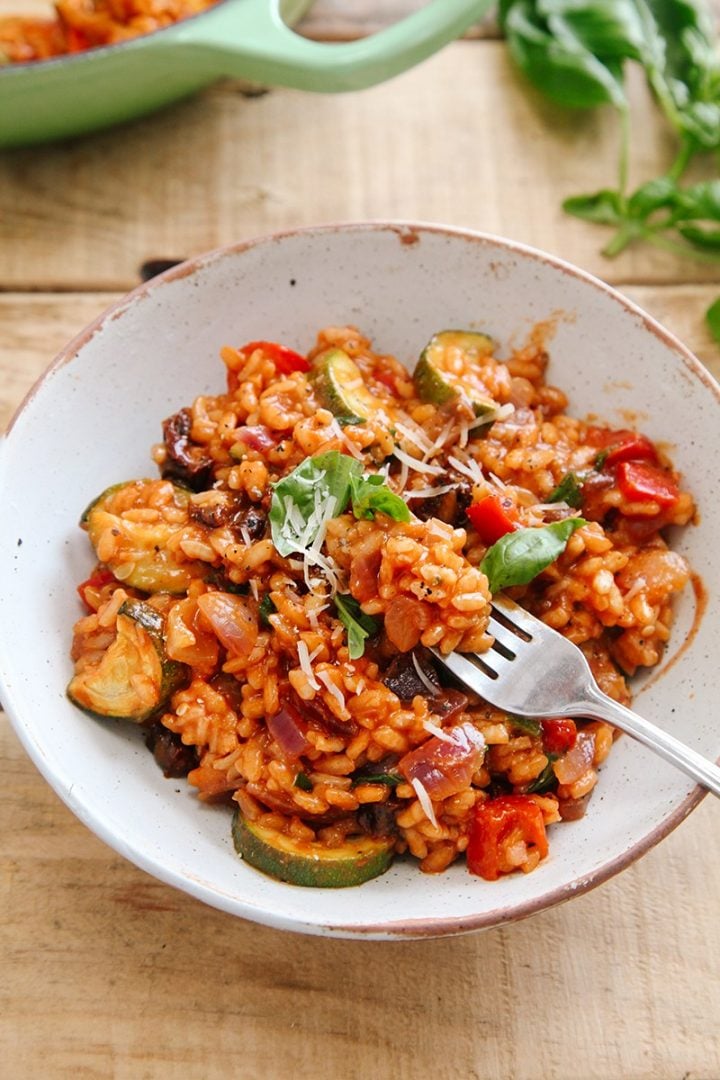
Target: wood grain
{"type": "Point", "coordinates": [109, 973]}
{"type": "Point", "coordinates": [105, 971]}
{"type": "Point", "coordinates": [135, 980]}
{"type": "Point", "coordinates": [458, 139]}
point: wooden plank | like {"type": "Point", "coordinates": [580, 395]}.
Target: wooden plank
{"type": "Point", "coordinates": [84, 215]}
{"type": "Point", "coordinates": [109, 973]}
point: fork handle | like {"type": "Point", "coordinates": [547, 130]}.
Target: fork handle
{"type": "Point", "coordinates": [601, 707]}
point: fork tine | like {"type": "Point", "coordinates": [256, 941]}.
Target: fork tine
{"type": "Point", "coordinates": [508, 612]}
{"type": "Point", "coordinates": [506, 639]}
{"type": "Point", "coordinates": [469, 668]}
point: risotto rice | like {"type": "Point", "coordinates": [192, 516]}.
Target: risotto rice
{"type": "Point", "coordinates": [266, 607]}
{"type": "Point", "coordinates": [78, 25]}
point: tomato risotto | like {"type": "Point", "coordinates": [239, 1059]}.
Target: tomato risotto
{"type": "Point", "coordinates": [266, 607]}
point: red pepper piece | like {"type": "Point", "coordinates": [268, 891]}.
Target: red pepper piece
{"type": "Point", "coordinates": [286, 360]}
{"type": "Point", "coordinates": [491, 826]}
{"type": "Point", "coordinates": [492, 517]}
{"type": "Point", "coordinates": [646, 483]}
{"type": "Point", "coordinates": [559, 735]}
{"type": "Point", "coordinates": [623, 445]}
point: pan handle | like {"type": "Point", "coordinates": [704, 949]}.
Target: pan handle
{"type": "Point", "coordinates": [249, 39]}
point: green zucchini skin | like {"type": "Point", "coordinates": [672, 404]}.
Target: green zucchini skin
{"type": "Point", "coordinates": [436, 384]}
{"type": "Point", "coordinates": [311, 864]}
{"type": "Point", "coordinates": [138, 649]}
{"type": "Point", "coordinates": [142, 559]}
{"type": "Point", "coordinates": [339, 385]}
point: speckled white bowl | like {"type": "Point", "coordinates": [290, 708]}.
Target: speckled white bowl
{"type": "Point", "coordinates": [92, 418]}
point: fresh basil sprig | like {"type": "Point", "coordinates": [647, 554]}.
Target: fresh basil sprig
{"type": "Point", "coordinates": [299, 504]}
{"type": "Point", "coordinates": [370, 495]}
{"type": "Point", "coordinates": [359, 626]}
{"type": "Point", "coordinates": [575, 52]}
{"type": "Point", "coordinates": [569, 491]}
{"type": "Point", "coordinates": [520, 556]}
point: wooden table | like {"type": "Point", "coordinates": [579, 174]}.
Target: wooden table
{"type": "Point", "coordinates": [108, 973]}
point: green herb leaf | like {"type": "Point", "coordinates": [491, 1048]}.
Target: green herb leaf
{"type": "Point", "coordinates": [569, 491]}
{"type": "Point", "coordinates": [303, 781]}
{"type": "Point", "coordinates": [602, 208]}
{"type": "Point", "coordinates": [654, 195]}
{"type": "Point", "coordinates": [556, 61]}
{"type": "Point", "coordinates": [370, 495]}
{"type": "Point", "coordinates": [546, 780]}
{"type": "Point", "coordinates": [299, 504]}
{"type": "Point", "coordinates": [266, 609]}
{"type": "Point", "coordinates": [359, 626]}
{"type": "Point", "coordinates": [347, 420]}
{"type": "Point", "coordinates": [707, 239]}
{"type": "Point", "coordinates": [526, 724]}
{"type": "Point", "coordinates": [300, 500]}
{"type": "Point", "coordinates": [520, 556]}
{"type": "Point", "coordinates": [600, 460]}
{"type": "Point", "coordinates": [391, 779]}
{"type": "Point", "coordinates": [712, 317]}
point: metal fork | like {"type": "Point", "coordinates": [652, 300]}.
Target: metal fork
{"type": "Point", "coordinates": [533, 671]}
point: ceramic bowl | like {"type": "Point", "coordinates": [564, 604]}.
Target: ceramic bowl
{"type": "Point", "coordinates": [92, 418]}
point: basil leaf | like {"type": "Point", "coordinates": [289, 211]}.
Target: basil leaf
{"type": "Point", "coordinates": [520, 556]}
{"type": "Point", "coordinates": [526, 724]}
{"type": "Point", "coordinates": [359, 626]}
{"type": "Point", "coordinates": [266, 609]}
{"type": "Point", "coordinates": [654, 195]}
{"type": "Point", "coordinates": [303, 781]}
{"type": "Point", "coordinates": [569, 491]}
{"type": "Point", "coordinates": [370, 495]}
{"type": "Point", "coordinates": [546, 780]}
{"type": "Point", "coordinates": [610, 29]}
{"type": "Point", "coordinates": [699, 202]}
{"type": "Point", "coordinates": [558, 64]}
{"type": "Point", "coordinates": [391, 779]}
{"type": "Point", "coordinates": [707, 239]}
{"type": "Point", "coordinates": [712, 317]}
{"type": "Point", "coordinates": [602, 208]}
{"type": "Point", "coordinates": [299, 501]}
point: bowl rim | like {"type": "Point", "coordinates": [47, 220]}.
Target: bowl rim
{"type": "Point", "coordinates": [408, 232]}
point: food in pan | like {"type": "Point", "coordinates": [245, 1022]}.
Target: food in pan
{"type": "Point", "coordinates": [77, 25]}
{"type": "Point", "coordinates": [267, 606]}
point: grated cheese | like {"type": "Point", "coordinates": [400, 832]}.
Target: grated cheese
{"type": "Point", "coordinates": [306, 665]}
{"type": "Point", "coordinates": [429, 492]}
{"type": "Point", "coordinates": [336, 693]}
{"type": "Point", "coordinates": [439, 443]}
{"type": "Point", "coordinates": [425, 801]}
{"type": "Point", "coordinates": [417, 438]}
{"type": "Point", "coordinates": [415, 463]}
{"type": "Point", "coordinates": [471, 469]}
{"type": "Point", "coordinates": [438, 732]}
{"type": "Point", "coordinates": [427, 683]}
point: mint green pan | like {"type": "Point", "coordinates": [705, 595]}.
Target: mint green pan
{"type": "Point", "coordinates": [249, 39]}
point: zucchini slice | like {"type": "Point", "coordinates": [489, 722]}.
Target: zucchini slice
{"type": "Point", "coordinates": [134, 677]}
{"type": "Point", "coordinates": [339, 385]}
{"type": "Point", "coordinates": [447, 370]}
{"type": "Point", "coordinates": [311, 864]}
{"type": "Point", "coordinates": [140, 557]}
